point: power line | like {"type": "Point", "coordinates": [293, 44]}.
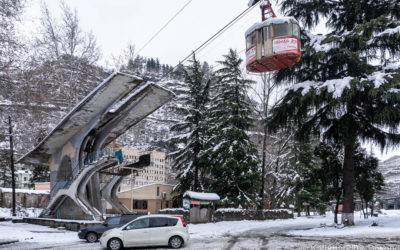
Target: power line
{"type": "Point", "coordinates": [163, 27]}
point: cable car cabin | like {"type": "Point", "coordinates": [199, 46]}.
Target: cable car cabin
{"type": "Point", "coordinates": [273, 44]}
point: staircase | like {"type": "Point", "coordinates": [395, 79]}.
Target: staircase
{"type": "Point", "coordinates": [73, 186]}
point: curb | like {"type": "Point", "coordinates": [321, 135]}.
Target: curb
{"type": "Point", "coordinates": [4, 242]}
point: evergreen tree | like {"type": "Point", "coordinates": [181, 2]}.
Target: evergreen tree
{"type": "Point", "coordinates": [329, 173]}
{"type": "Point", "coordinates": [368, 180]}
{"type": "Point", "coordinates": [187, 161]}
{"type": "Point", "coordinates": [231, 154]}
{"type": "Point", "coordinates": [41, 173]}
{"type": "Point", "coordinates": [302, 162]}
{"type": "Point", "coordinates": [348, 81]}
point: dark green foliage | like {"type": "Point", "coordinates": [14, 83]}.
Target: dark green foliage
{"type": "Point", "coordinates": [230, 152]}
{"type": "Point", "coordinates": [368, 179]}
{"type": "Point", "coordinates": [340, 91]}
{"type": "Point", "coordinates": [191, 133]}
{"type": "Point", "coordinates": [41, 173]}
{"type": "Point", "coordinates": [5, 172]}
{"type": "Point", "coordinates": [304, 162]}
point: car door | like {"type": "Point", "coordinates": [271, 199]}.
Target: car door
{"type": "Point", "coordinates": [159, 231]}
{"type": "Point", "coordinates": [136, 233]}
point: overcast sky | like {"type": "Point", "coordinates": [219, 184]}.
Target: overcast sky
{"type": "Point", "coordinates": [118, 22]}
{"type": "Point", "coordinates": [115, 23]}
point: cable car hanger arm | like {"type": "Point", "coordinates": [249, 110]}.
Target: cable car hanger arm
{"type": "Point", "coordinates": [266, 8]}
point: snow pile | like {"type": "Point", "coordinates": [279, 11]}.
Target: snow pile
{"type": "Point", "coordinates": [26, 233]}
{"type": "Point", "coordinates": [202, 196]}
{"type": "Point", "coordinates": [172, 210]}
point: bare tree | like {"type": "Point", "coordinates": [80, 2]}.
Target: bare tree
{"type": "Point", "coordinates": [67, 55]}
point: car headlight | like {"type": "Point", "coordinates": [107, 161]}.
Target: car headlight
{"type": "Point", "coordinates": [106, 232]}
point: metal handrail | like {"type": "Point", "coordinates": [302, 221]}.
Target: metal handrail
{"type": "Point", "coordinates": [91, 158]}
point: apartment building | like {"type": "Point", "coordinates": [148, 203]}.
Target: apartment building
{"type": "Point", "coordinates": [156, 173]}
{"type": "Point", "coordinates": [23, 178]}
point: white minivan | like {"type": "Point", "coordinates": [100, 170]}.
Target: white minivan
{"type": "Point", "coordinates": [148, 230]}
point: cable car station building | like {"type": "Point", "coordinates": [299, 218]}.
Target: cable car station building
{"type": "Point", "coordinates": [75, 150]}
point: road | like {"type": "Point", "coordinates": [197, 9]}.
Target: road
{"type": "Point", "coordinates": [262, 238]}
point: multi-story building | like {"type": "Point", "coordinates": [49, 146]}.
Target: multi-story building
{"type": "Point", "coordinates": [156, 173]}
{"type": "Point", "coordinates": [23, 178]}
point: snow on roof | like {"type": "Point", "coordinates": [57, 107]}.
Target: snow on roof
{"type": "Point", "coordinates": [202, 196]}
{"type": "Point", "coordinates": [269, 21]}
{"type": "Point", "coordinates": [27, 191]}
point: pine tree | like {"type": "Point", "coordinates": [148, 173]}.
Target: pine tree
{"type": "Point", "coordinates": [231, 154]}
{"type": "Point", "coordinates": [348, 81]}
{"type": "Point", "coordinates": [187, 161]}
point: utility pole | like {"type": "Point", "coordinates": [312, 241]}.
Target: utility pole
{"type": "Point", "coordinates": [12, 165]}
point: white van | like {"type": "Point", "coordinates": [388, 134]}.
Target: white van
{"type": "Point", "coordinates": [149, 230]}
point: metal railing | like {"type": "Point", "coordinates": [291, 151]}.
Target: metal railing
{"type": "Point", "coordinates": [91, 158]}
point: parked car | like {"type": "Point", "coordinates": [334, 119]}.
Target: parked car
{"type": "Point", "coordinates": [149, 230]}
{"type": "Point", "coordinates": [93, 233]}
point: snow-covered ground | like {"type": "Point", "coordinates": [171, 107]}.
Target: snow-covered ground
{"type": "Point", "coordinates": [288, 234]}
{"type": "Point", "coordinates": [20, 212]}
{"type": "Point", "coordinates": [388, 225]}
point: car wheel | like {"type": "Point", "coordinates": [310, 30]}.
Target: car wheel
{"type": "Point", "coordinates": [175, 242]}
{"type": "Point", "coordinates": [114, 244]}
{"type": "Point", "coordinates": [91, 237]}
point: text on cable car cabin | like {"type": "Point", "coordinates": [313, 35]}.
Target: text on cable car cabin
{"type": "Point", "coordinates": [285, 45]}
{"type": "Point", "coordinates": [251, 55]}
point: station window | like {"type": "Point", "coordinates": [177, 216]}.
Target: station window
{"type": "Point", "coordinates": [281, 29]}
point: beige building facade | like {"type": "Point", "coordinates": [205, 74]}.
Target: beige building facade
{"type": "Point", "coordinates": [148, 198]}
{"type": "Point", "coordinates": [156, 173]}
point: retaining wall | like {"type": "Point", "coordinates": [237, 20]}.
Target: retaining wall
{"type": "Point", "coordinates": [232, 214]}
{"type": "Point", "coordinates": [24, 198]}
{"type": "Point", "coordinates": [176, 211]}
{"type": "Point", "coordinates": [55, 223]}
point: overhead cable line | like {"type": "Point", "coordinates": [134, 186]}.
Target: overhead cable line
{"type": "Point", "coordinates": [163, 27]}
{"type": "Point", "coordinates": [213, 37]}
{"type": "Point", "coordinates": [219, 32]}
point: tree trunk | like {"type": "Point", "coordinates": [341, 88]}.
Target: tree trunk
{"type": "Point", "coordinates": [362, 207]}
{"type": "Point", "coordinates": [337, 207]}
{"type": "Point", "coordinates": [265, 99]}
{"type": "Point", "coordinates": [263, 167]}
{"type": "Point", "coordinates": [298, 204]}
{"type": "Point", "coordinates": [348, 184]}
{"type": "Point", "coordinates": [372, 208]}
